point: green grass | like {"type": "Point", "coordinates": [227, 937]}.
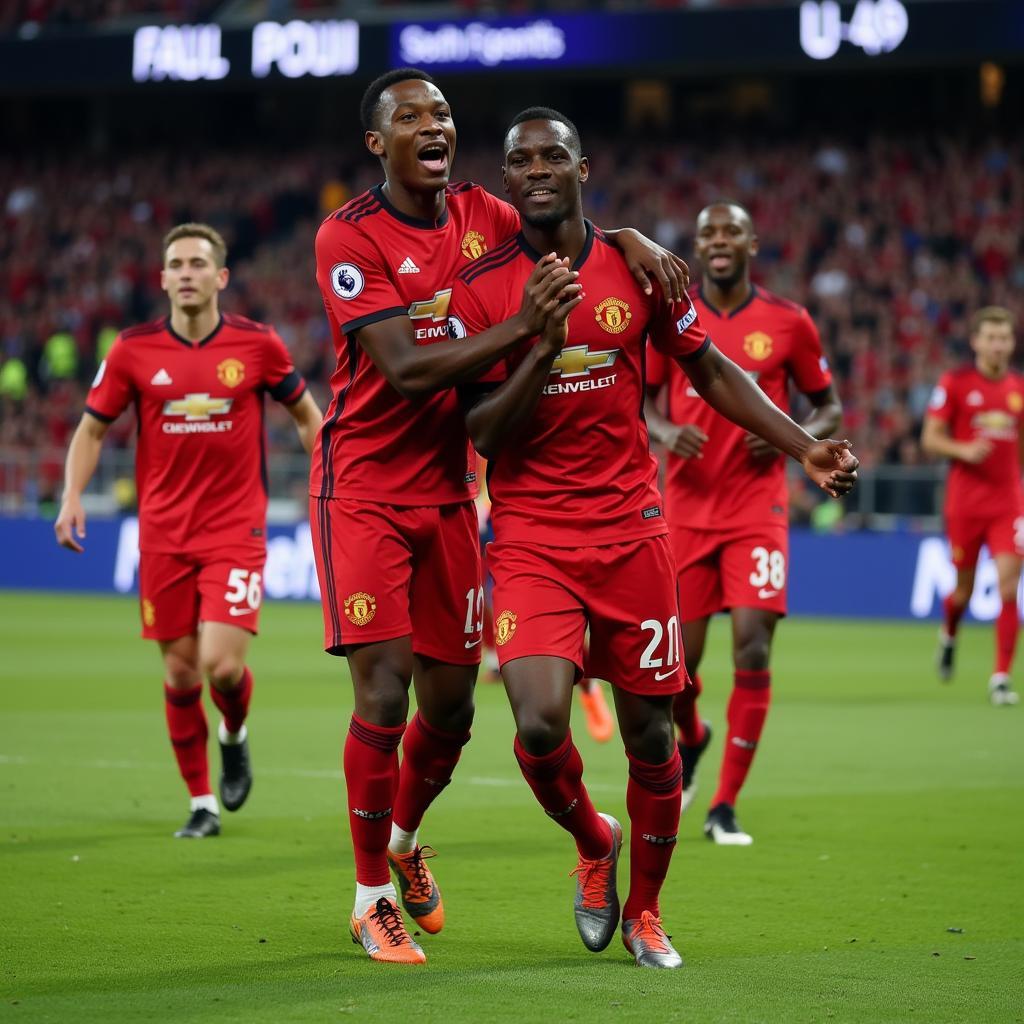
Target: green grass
{"type": "Point", "coordinates": [887, 810]}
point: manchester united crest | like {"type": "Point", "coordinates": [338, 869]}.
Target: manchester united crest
{"type": "Point", "coordinates": [473, 245]}
{"type": "Point", "coordinates": [758, 345]}
{"type": "Point", "coordinates": [231, 372]}
{"type": "Point", "coordinates": [613, 315]}
{"type": "Point", "coordinates": [1015, 401]}
{"type": "Point", "coordinates": [360, 608]}
{"type": "Point", "coordinates": [148, 613]}
{"type": "Point", "coordinates": [504, 628]}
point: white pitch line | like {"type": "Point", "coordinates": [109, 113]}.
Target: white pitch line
{"type": "Point", "coordinates": [334, 775]}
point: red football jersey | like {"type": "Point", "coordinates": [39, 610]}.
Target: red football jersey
{"type": "Point", "coordinates": [200, 460]}
{"type": "Point", "coordinates": [775, 341]}
{"type": "Point", "coordinates": [975, 406]}
{"type": "Point", "coordinates": [372, 263]}
{"type": "Point", "coordinates": [582, 472]}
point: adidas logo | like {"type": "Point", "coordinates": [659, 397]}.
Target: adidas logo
{"type": "Point", "coordinates": [161, 377]}
{"type": "Point", "coordinates": [408, 267]}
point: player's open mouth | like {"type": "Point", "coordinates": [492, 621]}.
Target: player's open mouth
{"type": "Point", "coordinates": [541, 194]}
{"type": "Point", "coordinates": [434, 157]}
{"type": "Point", "coordinates": [720, 262]}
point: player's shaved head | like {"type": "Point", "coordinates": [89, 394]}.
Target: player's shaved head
{"type": "Point", "coordinates": [369, 108]}
{"type": "Point", "coordinates": [570, 134]}
{"type": "Point", "coordinates": [736, 210]}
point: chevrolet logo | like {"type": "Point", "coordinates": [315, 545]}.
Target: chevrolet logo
{"type": "Point", "coordinates": [197, 406]}
{"type": "Point", "coordinates": [578, 361]}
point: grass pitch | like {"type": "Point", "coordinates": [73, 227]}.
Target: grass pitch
{"type": "Point", "coordinates": [885, 883]}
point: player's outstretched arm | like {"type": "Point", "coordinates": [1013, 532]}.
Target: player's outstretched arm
{"type": "Point", "coordinates": [500, 415]}
{"type": "Point", "coordinates": [647, 259]}
{"type": "Point", "coordinates": [935, 440]}
{"type": "Point", "coordinates": [727, 389]}
{"type": "Point", "coordinates": [414, 370]}
{"type": "Point", "coordinates": [83, 456]}
{"type": "Point", "coordinates": [307, 416]}
{"type": "Point", "coordinates": [823, 421]}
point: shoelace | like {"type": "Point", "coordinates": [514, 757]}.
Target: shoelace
{"type": "Point", "coordinates": [649, 931]}
{"type": "Point", "coordinates": [391, 923]}
{"type": "Point", "coordinates": [593, 875]}
{"type": "Point", "coordinates": [419, 887]}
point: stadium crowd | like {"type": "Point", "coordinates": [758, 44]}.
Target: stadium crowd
{"type": "Point", "coordinates": [891, 244]}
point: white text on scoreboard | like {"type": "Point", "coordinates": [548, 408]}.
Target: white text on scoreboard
{"type": "Point", "coordinates": [192, 53]}
{"type": "Point", "coordinates": [876, 26]}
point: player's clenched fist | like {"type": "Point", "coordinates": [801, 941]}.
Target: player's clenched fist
{"type": "Point", "coordinates": [70, 522]}
{"type": "Point", "coordinates": [832, 466]}
{"type": "Point", "coordinates": [550, 283]}
{"type": "Point", "coordinates": [685, 440]}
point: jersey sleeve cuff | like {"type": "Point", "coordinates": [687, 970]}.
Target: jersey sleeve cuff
{"type": "Point", "coordinates": [697, 353]}
{"type": "Point", "coordinates": [289, 389]}
{"type": "Point", "coordinates": [373, 318]}
{"type": "Point", "coordinates": [102, 417]}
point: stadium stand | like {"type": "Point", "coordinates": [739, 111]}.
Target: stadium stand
{"type": "Point", "coordinates": [891, 244]}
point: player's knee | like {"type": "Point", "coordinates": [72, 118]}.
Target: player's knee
{"type": "Point", "coordinates": [456, 719]}
{"type": "Point", "coordinates": [223, 672]}
{"type": "Point", "coordinates": [386, 706]}
{"type": "Point", "coordinates": [753, 654]}
{"type": "Point", "coordinates": [539, 735]}
{"type": "Point", "coordinates": [181, 673]}
{"type": "Point", "coordinates": [651, 741]}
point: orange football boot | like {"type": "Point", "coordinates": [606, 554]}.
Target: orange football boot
{"type": "Point", "coordinates": [381, 932]}
{"type": "Point", "coordinates": [645, 938]}
{"type": "Point", "coordinates": [420, 894]}
{"type": "Point", "coordinates": [595, 708]}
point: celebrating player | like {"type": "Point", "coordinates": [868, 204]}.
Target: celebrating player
{"type": "Point", "coordinates": [197, 380]}
{"type": "Point", "coordinates": [727, 498]}
{"type": "Point", "coordinates": [976, 419]}
{"type": "Point", "coordinates": [394, 528]}
{"type": "Point", "coordinates": [578, 522]}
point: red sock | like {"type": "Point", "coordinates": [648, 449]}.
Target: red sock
{"type": "Point", "coordinates": [186, 723]}
{"type": "Point", "coordinates": [684, 711]}
{"type": "Point", "coordinates": [557, 782]}
{"type": "Point", "coordinates": [234, 703]}
{"type": "Point", "coordinates": [1007, 627]}
{"type": "Point", "coordinates": [371, 777]}
{"type": "Point", "coordinates": [653, 797]}
{"type": "Point", "coordinates": [429, 757]}
{"type": "Point", "coordinates": [952, 613]}
{"type": "Point", "coordinates": [748, 708]}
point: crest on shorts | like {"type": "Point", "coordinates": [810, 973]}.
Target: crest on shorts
{"type": "Point", "coordinates": [504, 628]}
{"type": "Point", "coordinates": [1015, 401]}
{"type": "Point", "coordinates": [758, 345]}
{"type": "Point", "coordinates": [612, 315]}
{"type": "Point", "coordinates": [231, 372]}
{"type": "Point", "coordinates": [473, 245]}
{"type": "Point", "coordinates": [360, 608]}
{"type": "Point", "coordinates": [148, 612]}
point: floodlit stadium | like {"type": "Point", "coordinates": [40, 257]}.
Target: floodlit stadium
{"type": "Point", "coordinates": [845, 183]}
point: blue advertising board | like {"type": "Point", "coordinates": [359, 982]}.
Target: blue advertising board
{"type": "Point", "coordinates": [854, 575]}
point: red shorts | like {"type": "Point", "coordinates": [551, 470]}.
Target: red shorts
{"type": "Point", "coordinates": [743, 568]}
{"type": "Point", "coordinates": [387, 571]}
{"type": "Point", "coordinates": [545, 597]}
{"type": "Point", "coordinates": [177, 592]}
{"type": "Point", "coordinates": [1002, 535]}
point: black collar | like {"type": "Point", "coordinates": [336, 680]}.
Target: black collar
{"type": "Point", "coordinates": [413, 222]}
{"type": "Point", "coordinates": [588, 244]}
{"type": "Point", "coordinates": [742, 306]}
{"type": "Point", "coordinates": [194, 344]}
